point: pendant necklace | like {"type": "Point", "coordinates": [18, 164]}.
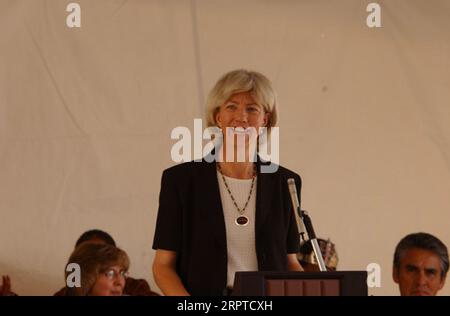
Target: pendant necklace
{"type": "Point", "coordinates": [241, 220]}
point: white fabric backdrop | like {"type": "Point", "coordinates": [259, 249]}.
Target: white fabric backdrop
{"type": "Point", "coordinates": [86, 116]}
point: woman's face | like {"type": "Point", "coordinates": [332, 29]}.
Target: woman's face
{"type": "Point", "coordinates": [240, 112]}
{"type": "Point", "coordinates": [109, 283]}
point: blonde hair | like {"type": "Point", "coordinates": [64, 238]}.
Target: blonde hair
{"type": "Point", "coordinates": [238, 81]}
{"type": "Point", "coordinates": [94, 259]}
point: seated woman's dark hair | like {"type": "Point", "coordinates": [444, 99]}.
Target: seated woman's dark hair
{"type": "Point", "coordinates": [95, 234]}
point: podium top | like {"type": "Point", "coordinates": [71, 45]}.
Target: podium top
{"type": "Point", "coordinates": [289, 283]}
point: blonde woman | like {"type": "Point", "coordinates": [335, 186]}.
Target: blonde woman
{"type": "Point", "coordinates": [217, 218]}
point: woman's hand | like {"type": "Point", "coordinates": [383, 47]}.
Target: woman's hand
{"type": "Point", "coordinates": [293, 264]}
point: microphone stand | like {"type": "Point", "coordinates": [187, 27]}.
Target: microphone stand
{"type": "Point", "coordinates": [304, 224]}
{"type": "Point", "coordinates": [312, 238]}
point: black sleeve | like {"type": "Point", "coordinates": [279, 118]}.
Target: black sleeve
{"type": "Point", "coordinates": [169, 221]}
{"type": "Point", "coordinates": [293, 238]}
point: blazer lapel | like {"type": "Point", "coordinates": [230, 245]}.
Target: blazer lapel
{"type": "Point", "coordinates": [264, 194]}
{"type": "Point", "coordinates": [212, 207]}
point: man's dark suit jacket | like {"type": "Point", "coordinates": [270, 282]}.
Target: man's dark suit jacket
{"type": "Point", "coordinates": [191, 222]}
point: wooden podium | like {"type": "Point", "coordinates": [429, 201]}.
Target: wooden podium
{"type": "Point", "coordinates": [336, 283]}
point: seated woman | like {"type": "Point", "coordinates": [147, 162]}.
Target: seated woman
{"type": "Point", "coordinates": [133, 287]}
{"type": "Point", "coordinates": [103, 270]}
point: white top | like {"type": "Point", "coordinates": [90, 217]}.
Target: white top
{"type": "Point", "coordinates": [241, 248]}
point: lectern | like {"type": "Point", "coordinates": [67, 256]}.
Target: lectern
{"type": "Point", "coordinates": [266, 283]}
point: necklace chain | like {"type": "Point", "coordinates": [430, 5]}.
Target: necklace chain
{"type": "Point", "coordinates": [241, 211]}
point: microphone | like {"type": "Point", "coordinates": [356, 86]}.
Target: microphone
{"type": "Point", "coordinates": [304, 224]}
{"type": "Point", "coordinates": [296, 207]}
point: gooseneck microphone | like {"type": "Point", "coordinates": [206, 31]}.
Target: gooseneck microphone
{"type": "Point", "coordinates": [304, 224]}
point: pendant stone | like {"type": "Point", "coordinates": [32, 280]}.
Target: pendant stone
{"type": "Point", "coordinates": [242, 221]}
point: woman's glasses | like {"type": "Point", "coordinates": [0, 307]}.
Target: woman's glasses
{"type": "Point", "coordinates": [112, 274]}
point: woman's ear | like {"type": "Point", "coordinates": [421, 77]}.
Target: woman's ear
{"type": "Point", "coordinates": [267, 119]}
{"type": "Point", "coordinates": [217, 117]}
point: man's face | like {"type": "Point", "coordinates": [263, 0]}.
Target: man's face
{"type": "Point", "coordinates": [419, 273]}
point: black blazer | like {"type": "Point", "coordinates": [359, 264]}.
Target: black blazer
{"type": "Point", "coordinates": [191, 222]}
